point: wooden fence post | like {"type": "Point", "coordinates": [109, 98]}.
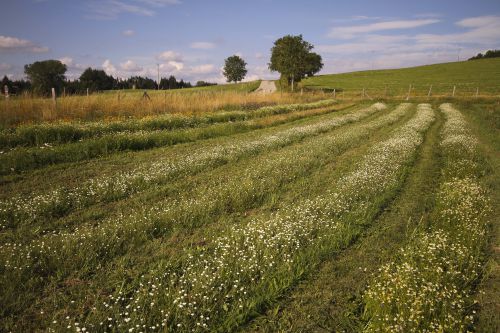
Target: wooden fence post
{"type": "Point", "coordinates": [409, 92]}
{"type": "Point", "coordinates": [54, 98]}
{"type": "Point", "coordinates": [477, 92]}
{"type": "Point", "coordinates": [453, 93]}
{"type": "Point", "coordinates": [334, 93]}
{"type": "Point", "coordinates": [342, 94]}
{"type": "Point", "coordinates": [64, 91]}
{"type": "Point", "coordinates": [385, 91]}
{"type": "Point", "coordinates": [165, 101]}
{"type": "Point", "coordinates": [87, 92]}
{"type": "Point", "coordinates": [6, 90]}
{"type": "Point", "coordinates": [430, 91]}
{"type": "Point", "coordinates": [363, 94]}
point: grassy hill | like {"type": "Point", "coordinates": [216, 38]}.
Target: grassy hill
{"type": "Point", "coordinates": [467, 76]}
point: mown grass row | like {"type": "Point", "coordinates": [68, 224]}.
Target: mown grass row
{"type": "Point", "coordinates": [243, 184]}
{"type": "Point", "coordinates": [220, 283]}
{"type": "Point", "coordinates": [21, 159]}
{"type": "Point", "coordinates": [239, 189]}
{"type": "Point", "coordinates": [65, 132]}
{"type": "Point", "coordinates": [60, 201]}
{"type": "Point", "coordinates": [429, 286]}
{"type": "Point", "coordinates": [62, 254]}
{"type": "Point", "coordinates": [329, 299]}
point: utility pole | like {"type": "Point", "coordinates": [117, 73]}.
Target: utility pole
{"type": "Point", "coordinates": [158, 67]}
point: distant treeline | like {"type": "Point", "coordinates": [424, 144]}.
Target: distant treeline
{"type": "Point", "coordinates": [95, 80]}
{"type": "Point", "coordinates": [488, 54]}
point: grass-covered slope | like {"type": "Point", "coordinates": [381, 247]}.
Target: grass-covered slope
{"type": "Point", "coordinates": [467, 76]}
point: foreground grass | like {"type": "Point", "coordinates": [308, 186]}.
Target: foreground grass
{"type": "Point", "coordinates": [329, 299]}
{"type": "Point", "coordinates": [430, 284]}
{"type": "Point", "coordinates": [210, 234]}
{"type": "Point", "coordinates": [269, 279]}
{"type": "Point", "coordinates": [484, 119]}
{"type": "Point", "coordinates": [235, 188]}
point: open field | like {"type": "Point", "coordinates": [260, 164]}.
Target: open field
{"type": "Point", "coordinates": [468, 77]}
{"type": "Point", "coordinates": [322, 215]}
{"type": "Point", "coordinates": [126, 104]}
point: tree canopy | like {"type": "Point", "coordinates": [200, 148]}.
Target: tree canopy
{"type": "Point", "coordinates": [45, 75]}
{"type": "Point", "coordinates": [96, 80]}
{"type": "Point", "coordinates": [291, 56]}
{"type": "Point", "coordinates": [234, 69]}
{"type": "Point", "coordinates": [488, 54]}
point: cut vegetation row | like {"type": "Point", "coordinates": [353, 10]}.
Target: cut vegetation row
{"type": "Point", "coordinates": [234, 194]}
{"type": "Point", "coordinates": [309, 227]}
{"type": "Point", "coordinates": [62, 200]}
{"type": "Point", "coordinates": [21, 159]}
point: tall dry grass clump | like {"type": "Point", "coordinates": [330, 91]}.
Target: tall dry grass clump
{"type": "Point", "coordinates": [131, 104]}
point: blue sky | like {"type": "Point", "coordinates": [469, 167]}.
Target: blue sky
{"type": "Point", "coordinates": [191, 38]}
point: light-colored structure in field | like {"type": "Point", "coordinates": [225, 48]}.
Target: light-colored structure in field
{"type": "Point", "coordinates": [266, 87]}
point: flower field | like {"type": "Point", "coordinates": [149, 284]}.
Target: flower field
{"type": "Point", "coordinates": [228, 220]}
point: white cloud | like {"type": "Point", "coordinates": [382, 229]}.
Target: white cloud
{"type": "Point", "coordinates": [170, 56]}
{"type": "Point", "coordinates": [259, 55]}
{"type": "Point", "coordinates": [128, 33]}
{"type": "Point", "coordinates": [108, 67]}
{"type": "Point", "coordinates": [351, 31]}
{"type": "Point", "coordinates": [480, 21]}
{"type": "Point", "coordinates": [71, 64]}
{"type": "Point", "coordinates": [111, 9]}
{"type": "Point", "coordinates": [67, 61]}
{"type": "Point", "coordinates": [427, 15]}
{"type": "Point", "coordinates": [159, 3]}
{"type": "Point", "coordinates": [130, 66]}
{"type": "Point", "coordinates": [482, 30]}
{"type": "Point", "coordinates": [366, 51]}
{"type": "Point", "coordinates": [203, 69]}
{"type": "Point", "coordinates": [5, 67]}
{"type": "Point", "coordinates": [260, 72]}
{"type": "Point", "coordinates": [202, 45]}
{"type": "Point", "coordinates": [20, 45]}
{"type": "Point", "coordinates": [172, 66]}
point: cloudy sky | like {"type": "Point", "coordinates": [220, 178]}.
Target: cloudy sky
{"type": "Point", "coordinates": [191, 38]}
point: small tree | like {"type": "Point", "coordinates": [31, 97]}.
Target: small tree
{"type": "Point", "coordinates": [234, 69]}
{"type": "Point", "coordinates": [291, 56]}
{"type": "Point", "coordinates": [45, 75]}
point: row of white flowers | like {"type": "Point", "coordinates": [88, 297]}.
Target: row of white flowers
{"type": "Point", "coordinates": [60, 201]}
{"type": "Point", "coordinates": [93, 245]}
{"type": "Point", "coordinates": [40, 134]}
{"type": "Point", "coordinates": [429, 286]}
{"type": "Point", "coordinates": [236, 269]}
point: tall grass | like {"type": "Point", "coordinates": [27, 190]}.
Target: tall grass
{"type": "Point", "coordinates": [130, 104]}
{"type": "Point", "coordinates": [39, 134]}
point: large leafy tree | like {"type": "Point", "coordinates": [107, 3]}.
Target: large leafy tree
{"type": "Point", "coordinates": [291, 56]}
{"type": "Point", "coordinates": [96, 80]}
{"type": "Point", "coordinates": [234, 69]}
{"type": "Point", "coordinates": [45, 75]}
